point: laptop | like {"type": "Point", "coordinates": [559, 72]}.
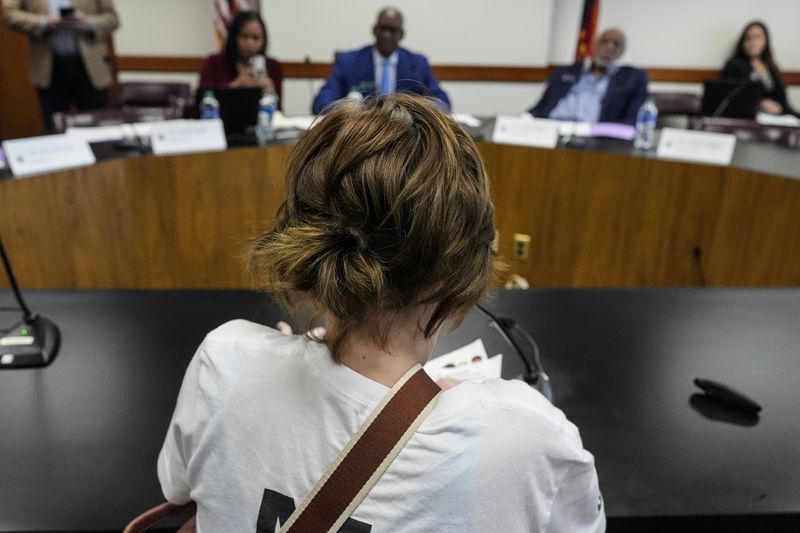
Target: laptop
{"type": "Point", "coordinates": [731, 98]}
{"type": "Point", "coordinates": [238, 109]}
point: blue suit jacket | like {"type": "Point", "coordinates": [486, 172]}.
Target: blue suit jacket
{"type": "Point", "coordinates": [357, 68]}
{"type": "Point", "coordinates": [627, 91]}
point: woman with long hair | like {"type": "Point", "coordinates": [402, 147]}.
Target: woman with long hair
{"type": "Point", "coordinates": [752, 59]}
{"type": "Point", "coordinates": [240, 63]}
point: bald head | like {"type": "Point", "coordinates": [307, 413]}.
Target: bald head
{"type": "Point", "coordinates": [608, 48]}
{"type": "Point", "coordinates": [388, 30]}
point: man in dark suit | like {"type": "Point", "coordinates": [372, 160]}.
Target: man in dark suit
{"type": "Point", "coordinates": [596, 90]}
{"type": "Point", "coordinates": [381, 68]}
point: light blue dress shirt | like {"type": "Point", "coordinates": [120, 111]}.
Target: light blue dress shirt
{"type": "Point", "coordinates": [585, 98]}
{"type": "Point", "coordinates": [378, 60]}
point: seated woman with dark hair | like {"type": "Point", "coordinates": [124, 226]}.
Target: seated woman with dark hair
{"type": "Point", "coordinates": [752, 60]}
{"type": "Point", "coordinates": [235, 66]}
{"type": "Point", "coordinates": [385, 233]}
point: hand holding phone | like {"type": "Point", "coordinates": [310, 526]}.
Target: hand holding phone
{"type": "Point", "coordinates": [259, 65]}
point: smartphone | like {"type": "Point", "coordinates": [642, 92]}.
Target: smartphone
{"type": "Point", "coordinates": [67, 12]}
{"type": "Point", "coordinates": [258, 64]}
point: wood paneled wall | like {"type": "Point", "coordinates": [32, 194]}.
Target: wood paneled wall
{"type": "Point", "coordinates": [150, 222]}
{"type": "Point", "coordinates": [599, 220]}
{"type": "Point", "coordinates": [478, 73]}
{"type": "Point", "coordinates": [19, 106]}
{"type": "Point", "coordinates": [595, 220]}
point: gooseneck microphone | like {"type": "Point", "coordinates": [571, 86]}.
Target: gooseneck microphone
{"type": "Point", "coordinates": [726, 102]}
{"type": "Point", "coordinates": [535, 376]}
{"type": "Point", "coordinates": [697, 255]}
{"type": "Point", "coordinates": [31, 342]}
{"type": "Point", "coordinates": [309, 75]}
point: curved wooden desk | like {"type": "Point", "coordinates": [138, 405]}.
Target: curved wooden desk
{"type": "Point", "coordinates": [595, 220]}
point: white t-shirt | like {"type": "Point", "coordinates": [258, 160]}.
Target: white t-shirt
{"type": "Point", "coordinates": [261, 415]}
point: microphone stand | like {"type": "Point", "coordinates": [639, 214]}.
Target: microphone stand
{"type": "Point", "coordinates": [309, 75]}
{"type": "Point", "coordinates": [534, 375]}
{"type": "Point", "coordinates": [726, 102]}
{"type": "Point", "coordinates": [34, 341]}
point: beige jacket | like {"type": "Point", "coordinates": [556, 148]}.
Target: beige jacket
{"type": "Point", "coordinates": [27, 16]}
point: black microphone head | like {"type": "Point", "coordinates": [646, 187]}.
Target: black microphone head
{"type": "Point", "coordinates": [541, 382]}
{"type": "Point", "coordinates": [506, 323]}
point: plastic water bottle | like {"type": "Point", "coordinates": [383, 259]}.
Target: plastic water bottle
{"type": "Point", "coordinates": [209, 106]}
{"type": "Point", "coordinates": [266, 109]}
{"type": "Point", "coordinates": [646, 125]}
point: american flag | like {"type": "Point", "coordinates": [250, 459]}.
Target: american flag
{"type": "Point", "coordinates": [224, 11]}
{"type": "Point", "coordinates": [585, 45]}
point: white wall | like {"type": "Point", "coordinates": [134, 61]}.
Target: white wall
{"type": "Point", "coordinates": [683, 33]}
{"type": "Point", "coordinates": [691, 33]}
{"type": "Point", "coordinates": [165, 28]}
{"type": "Point", "coordinates": [506, 32]}
{"type": "Point", "coordinates": [674, 33]}
{"type": "Point", "coordinates": [503, 32]}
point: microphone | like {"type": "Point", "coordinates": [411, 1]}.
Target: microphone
{"type": "Point", "coordinates": [697, 253]}
{"type": "Point", "coordinates": [535, 376]}
{"type": "Point", "coordinates": [723, 105]}
{"type": "Point", "coordinates": [135, 141]}
{"type": "Point", "coordinates": [309, 75]}
{"type": "Point", "coordinates": [32, 342]}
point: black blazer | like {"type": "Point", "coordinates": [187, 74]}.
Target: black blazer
{"type": "Point", "coordinates": [740, 68]}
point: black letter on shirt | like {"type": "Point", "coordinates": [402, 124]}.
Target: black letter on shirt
{"type": "Point", "coordinates": [276, 506]}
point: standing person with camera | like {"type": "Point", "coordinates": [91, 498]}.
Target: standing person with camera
{"type": "Point", "coordinates": [244, 61]}
{"type": "Point", "coordinates": [70, 63]}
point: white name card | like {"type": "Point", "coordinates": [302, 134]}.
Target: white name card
{"type": "Point", "coordinates": [36, 155]}
{"type": "Point", "coordinates": [539, 132]}
{"type": "Point", "coordinates": [698, 146]}
{"type": "Point", "coordinates": [187, 136]}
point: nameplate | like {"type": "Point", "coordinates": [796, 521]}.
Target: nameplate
{"type": "Point", "coordinates": [187, 136]}
{"type": "Point", "coordinates": [696, 146]}
{"type": "Point", "coordinates": [36, 155]}
{"type": "Point", "coordinates": [539, 132]}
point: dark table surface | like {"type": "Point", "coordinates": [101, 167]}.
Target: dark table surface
{"type": "Point", "coordinates": [768, 158]}
{"type": "Point", "coordinates": [80, 438]}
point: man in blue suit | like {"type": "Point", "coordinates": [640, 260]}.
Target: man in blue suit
{"type": "Point", "coordinates": [596, 90]}
{"type": "Point", "coordinates": [381, 68]}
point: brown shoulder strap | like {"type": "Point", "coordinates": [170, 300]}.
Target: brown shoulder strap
{"type": "Point", "coordinates": [367, 456]}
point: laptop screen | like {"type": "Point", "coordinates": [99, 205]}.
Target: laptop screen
{"type": "Point", "coordinates": [731, 98]}
{"type": "Point", "coordinates": [238, 107]}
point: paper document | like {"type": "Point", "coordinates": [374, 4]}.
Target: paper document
{"type": "Point", "coordinates": [765, 119]}
{"type": "Point", "coordinates": [468, 363]}
{"type": "Point", "coordinates": [116, 132]}
{"type": "Point", "coordinates": [465, 118]}
{"type": "Point", "coordinates": [303, 122]}
{"type": "Point", "coordinates": [36, 155]}
{"type": "Point", "coordinates": [187, 136]}
{"type": "Point", "coordinates": [526, 131]}
{"type": "Point", "coordinates": [95, 134]}
{"type": "Point", "coordinates": [696, 146]}
{"type": "Point", "coordinates": [575, 129]}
